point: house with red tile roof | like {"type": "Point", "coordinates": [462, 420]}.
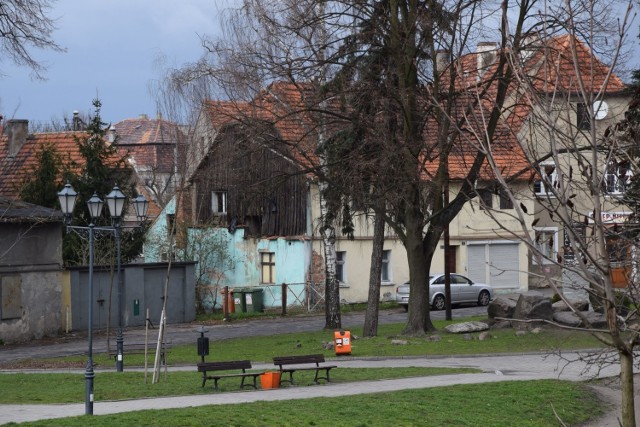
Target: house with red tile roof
{"type": "Point", "coordinates": [252, 183]}
{"type": "Point", "coordinates": [19, 151]}
{"type": "Point", "coordinates": [251, 177]}
{"type": "Point", "coordinates": [155, 150]}
{"type": "Point", "coordinates": [577, 94]}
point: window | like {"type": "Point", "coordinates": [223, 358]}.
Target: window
{"type": "Point", "coordinates": [546, 242]}
{"type": "Point", "coordinates": [486, 199]}
{"type": "Point", "coordinates": [385, 273]}
{"type": "Point", "coordinates": [548, 182]}
{"type": "Point", "coordinates": [583, 121]}
{"type": "Point", "coordinates": [219, 202]}
{"type": "Point", "coordinates": [341, 273]}
{"type": "Point", "coordinates": [171, 224]}
{"type": "Point", "coordinates": [10, 297]}
{"type": "Point", "coordinates": [617, 178]}
{"type": "Point", "coordinates": [505, 200]}
{"type": "Point", "coordinates": [268, 263]}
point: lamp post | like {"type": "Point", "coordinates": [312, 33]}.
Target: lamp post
{"type": "Point", "coordinates": [115, 201]}
{"type": "Point", "coordinates": [68, 199]}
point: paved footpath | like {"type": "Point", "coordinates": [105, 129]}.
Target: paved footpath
{"type": "Point", "coordinates": [495, 368]}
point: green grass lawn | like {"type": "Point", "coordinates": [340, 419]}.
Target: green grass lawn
{"type": "Point", "coordinates": [69, 388]}
{"type": "Point", "coordinates": [263, 349]}
{"type": "Point", "coordinates": [509, 404]}
{"type": "Point", "coordinates": [522, 404]}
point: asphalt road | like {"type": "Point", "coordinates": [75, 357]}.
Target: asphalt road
{"type": "Point", "coordinates": [185, 333]}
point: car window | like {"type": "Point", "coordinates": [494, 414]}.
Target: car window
{"type": "Point", "coordinates": [459, 280]}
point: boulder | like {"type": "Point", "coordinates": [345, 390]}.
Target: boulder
{"type": "Point", "coordinates": [501, 307]}
{"type": "Point", "coordinates": [533, 305]}
{"type": "Point", "coordinates": [466, 327]}
{"type": "Point", "coordinates": [500, 324]}
{"type": "Point", "coordinates": [580, 305]}
{"type": "Point", "coordinates": [569, 318]}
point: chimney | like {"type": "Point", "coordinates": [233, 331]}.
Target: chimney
{"type": "Point", "coordinates": [442, 60]}
{"type": "Point", "coordinates": [144, 117]}
{"type": "Point", "coordinates": [77, 121]}
{"type": "Point", "coordinates": [1, 125]}
{"type": "Point", "coordinates": [17, 131]}
{"type": "Point", "coordinates": [111, 138]}
{"type": "Point", "coordinates": [529, 44]}
{"type": "Point", "coordinates": [486, 55]}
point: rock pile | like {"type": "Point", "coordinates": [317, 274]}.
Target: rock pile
{"type": "Point", "coordinates": [533, 306]}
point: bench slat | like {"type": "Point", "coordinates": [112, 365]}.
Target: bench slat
{"type": "Point", "coordinates": [227, 366]}
{"type": "Point", "coordinates": [284, 363]}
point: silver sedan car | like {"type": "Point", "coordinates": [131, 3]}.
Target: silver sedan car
{"type": "Point", "coordinates": [463, 290]}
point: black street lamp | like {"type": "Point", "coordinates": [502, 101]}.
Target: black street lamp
{"type": "Point", "coordinates": [115, 201]}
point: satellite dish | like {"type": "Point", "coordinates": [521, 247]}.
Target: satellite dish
{"type": "Point", "coordinates": [600, 110]}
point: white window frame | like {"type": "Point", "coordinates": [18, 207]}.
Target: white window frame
{"type": "Point", "coordinates": [386, 266]}
{"type": "Point", "coordinates": [542, 246]}
{"type": "Point", "coordinates": [341, 260]}
{"type": "Point", "coordinates": [613, 183]}
{"type": "Point", "coordinates": [548, 180]}
{"type": "Point", "coordinates": [218, 206]}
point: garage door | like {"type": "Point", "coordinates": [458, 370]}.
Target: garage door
{"type": "Point", "coordinates": [494, 263]}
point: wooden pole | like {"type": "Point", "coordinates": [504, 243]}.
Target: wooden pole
{"type": "Point", "coordinates": [146, 345]}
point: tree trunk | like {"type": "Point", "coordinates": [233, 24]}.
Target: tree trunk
{"type": "Point", "coordinates": [626, 384]}
{"type": "Point", "coordinates": [418, 320]}
{"type": "Point", "coordinates": [371, 315]}
{"type": "Point", "coordinates": [332, 287]}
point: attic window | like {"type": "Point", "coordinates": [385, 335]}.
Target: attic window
{"type": "Point", "coordinates": [219, 202]}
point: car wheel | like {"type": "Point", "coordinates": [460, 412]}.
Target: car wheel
{"type": "Point", "coordinates": [484, 298]}
{"type": "Point", "coordinates": [438, 302]}
{"type": "Point", "coordinates": [406, 308]}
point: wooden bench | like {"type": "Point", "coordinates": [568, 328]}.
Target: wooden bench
{"type": "Point", "coordinates": [285, 364]}
{"type": "Point", "coordinates": [138, 348]}
{"type": "Point", "coordinates": [228, 366]}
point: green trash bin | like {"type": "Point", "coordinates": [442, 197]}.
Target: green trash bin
{"type": "Point", "coordinates": [253, 299]}
{"type": "Point", "coordinates": [238, 300]}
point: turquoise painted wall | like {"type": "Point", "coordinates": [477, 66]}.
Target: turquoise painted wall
{"type": "Point", "coordinates": [226, 259]}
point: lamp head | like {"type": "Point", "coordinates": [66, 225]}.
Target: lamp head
{"type": "Point", "coordinates": [67, 197]}
{"type": "Point", "coordinates": [115, 202]}
{"type": "Point", "coordinates": [95, 206]}
{"type": "Point", "coordinates": [141, 206]}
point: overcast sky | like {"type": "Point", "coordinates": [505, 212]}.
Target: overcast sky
{"type": "Point", "coordinates": [112, 53]}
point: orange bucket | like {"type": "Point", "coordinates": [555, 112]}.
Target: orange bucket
{"type": "Point", "coordinates": [270, 380]}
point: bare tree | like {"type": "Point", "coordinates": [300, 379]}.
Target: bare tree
{"type": "Point", "coordinates": [26, 24]}
{"type": "Point", "coordinates": [583, 161]}
{"type": "Point", "coordinates": [364, 67]}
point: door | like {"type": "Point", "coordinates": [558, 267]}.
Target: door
{"type": "Point", "coordinates": [494, 263]}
